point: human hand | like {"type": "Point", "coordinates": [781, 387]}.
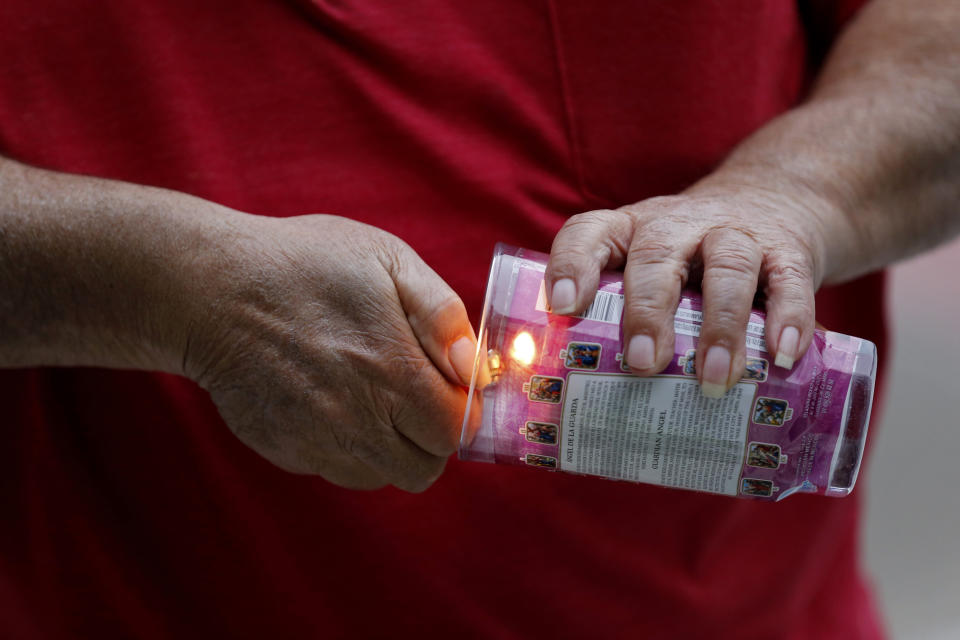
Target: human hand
{"type": "Point", "coordinates": [732, 237]}
{"type": "Point", "coordinates": [331, 348]}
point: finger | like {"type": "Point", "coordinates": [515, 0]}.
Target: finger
{"type": "Point", "coordinates": [428, 410]}
{"type": "Point", "coordinates": [587, 243]}
{"type": "Point", "coordinates": [389, 456]}
{"type": "Point", "coordinates": [295, 455]}
{"type": "Point", "coordinates": [731, 265]}
{"type": "Point", "coordinates": [362, 452]}
{"type": "Point", "coordinates": [352, 475]}
{"type": "Point", "coordinates": [410, 468]}
{"type": "Point", "coordinates": [790, 307]}
{"type": "Point", "coordinates": [657, 268]}
{"type": "Point", "coordinates": [436, 314]}
{"type": "Point", "coordinates": [359, 447]}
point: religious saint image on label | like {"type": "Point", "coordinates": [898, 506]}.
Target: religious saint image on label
{"type": "Point", "coordinates": [688, 362]}
{"type": "Point", "coordinates": [756, 487]}
{"type": "Point", "coordinates": [756, 370]}
{"type": "Point", "coordinates": [771, 411]}
{"type": "Point", "coordinates": [544, 389]}
{"type": "Point", "coordinates": [544, 462]}
{"type": "Point", "coordinates": [764, 455]}
{"type": "Point", "coordinates": [581, 355]}
{"type": "Point", "coordinates": [540, 432]}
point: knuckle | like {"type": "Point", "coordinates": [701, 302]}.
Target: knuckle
{"type": "Point", "coordinates": [733, 260]}
{"type": "Point", "coordinates": [653, 249]}
{"type": "Point", "coordinates": [354, 436]}
{"type": "Point", "coordinates": [567, 258]}
{"type": "Point", "coordinates": [347, 441]}
{"type": "Point", "coordinates": [646, 312]}
{"type": "Point", "coordinates": [391, 252]}
{"type": "Point", "coordinates": [790, 287]}
{"type": "Point", "coordinates": [443, 441]}
{"type": "Point", "coordinates": [729, 274]}
{"type": "Point", "coordinates": [727, 320]}
{"type": "Point", "coordinates": [576, 221]}
{"type": "Point", "coordinates": [657, 268]}
{"type": "Point", "coordinates": [377, 364]}
{"type": "Point", "coordinates": [424, 417]}
{"type": "Point", "coordinates": [790, 292]}
{"type": "Point", "coordinates": [424, 478]}
{"type": "Point", "coordinates": [417, 485]}
{"type": "Point", "coordinates": [382, 244]}
{"type": "Point", "coordinates": [417, 374]}
{"type": "Point", "coordinates": [440, 311]}
{"type": "Point", "coordinates": [566, 254]}
{"type": "Point", "coordinates": [590, 238]}
{"type": "Point", "coordinates": [595, 218]}
{"type": "Point", "coordinates": [789, 274]}
{"type": "Point", "coordinates": [580, 227]}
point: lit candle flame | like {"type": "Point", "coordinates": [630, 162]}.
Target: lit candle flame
{"type": "Point", "coordinates": [523, 349]}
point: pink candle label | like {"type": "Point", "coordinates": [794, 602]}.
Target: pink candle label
{"type": "Point", "coordinates": [560, 397]}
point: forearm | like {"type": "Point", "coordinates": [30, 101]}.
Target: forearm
{"type": "Point", "coordinates": [874, 154]}
{"type": "Point", "coordinates": [89, 269]}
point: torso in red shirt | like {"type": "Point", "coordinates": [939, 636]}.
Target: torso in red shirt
{"type": "Point", "coordinates": [130, 510]}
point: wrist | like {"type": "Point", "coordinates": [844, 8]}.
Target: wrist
{"type": "Point", "coordinates": [173, 270]}
{"type": "Point", "coordinates": [169, 275]}
{"type": "Point", "coordinates": [94, 270]}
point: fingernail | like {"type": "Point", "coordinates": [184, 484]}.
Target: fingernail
{"type": "Point", "coordinates": [716, 370]}
{"type": "Point", "coordinates": [787, 347]}
{"type": "Point", "coordinates": [564, 296]}
{"type": "Point", "coordinates": [461, 355]}
{"type": "Point", "coordinates": [640, 352]}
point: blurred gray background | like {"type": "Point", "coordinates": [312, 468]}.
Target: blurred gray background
{"type": "Point", "coordinates": [912, 529]}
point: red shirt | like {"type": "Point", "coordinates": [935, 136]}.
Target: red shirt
{"type": "Point", "coordinates": [130, 510]}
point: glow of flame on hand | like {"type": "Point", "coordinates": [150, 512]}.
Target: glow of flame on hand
{"type": "Point", "coordinates": [523, 349]}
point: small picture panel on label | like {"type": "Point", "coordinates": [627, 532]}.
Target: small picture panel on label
{"type": "Point", "coordinates": [544, 462]}
{"type": "Point", "coordinates": [544, 389]}
{"type": "Point", "coordinates": [756, 370]}
{"type": "Point", "coordinates": [771, 411]}
{"type": "Point", "coordinates": [581, 355]}
{"type": "Point", "coordinates": [688, 362]}
{"type": "Point", "coordinates": [623, 362]}
{"type": "Point", "coordinates": [755, 487]}
{"type": "Point", "coordinates": [540, 432]}
{"type": "Point", "coordinates": [764, 455]}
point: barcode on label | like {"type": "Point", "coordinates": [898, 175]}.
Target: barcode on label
{"type": "Point", "coordinates": [606, 307]}
{"type": "Point", "coordinates": [690, 329]}
{"type": "Point", "coordinates": [754, 328]}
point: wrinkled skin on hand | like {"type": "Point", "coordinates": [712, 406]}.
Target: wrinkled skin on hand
{"type": "Point", "coordinates": [731, 240]}
{"type": "Point", "coordinates": [323, 343]}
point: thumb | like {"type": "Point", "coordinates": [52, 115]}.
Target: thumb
{"type": "Point", "coordinates": [435, 313]}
